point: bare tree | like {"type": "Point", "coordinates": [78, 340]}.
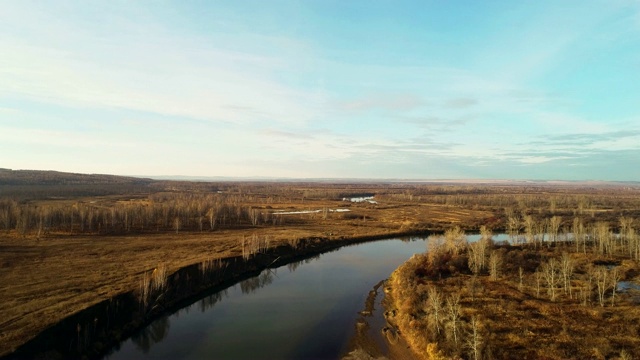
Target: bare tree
{"type": "Point", "coordinates": [177, 224]}
{"type": "Point", "coordinates": [453, 316]}
{"type": "Point", "coordinates": [539, 276]}
{"type": "Point", "coordinates": [541, 229]}
{"type": "Point", "coordinates": [484, 244]}
{"type": "Point", "coordinates": [554, 227]}
{"type": "Point", "coordinates": [550, 271]}
{"type": "Point", "coordinates": [212, 218]}
{"type": "Point", "coordinates": [600, 275]}
{"type": "Point", "coordinates": [485, 233]}
{"type": "Point", "coordinates": [436, 247]}
{"type": "Point", "coordinates": [615, 278]}
{"type": "Point", "coordinates": [434, 305]}
{"type": "Point", "coordinates": [513, 227]}
{"type": "Point", "coordinates": [579, 234]}
{"type": "Point", "coordinates": [475, 257]}
{"type": "Point", "coordinates": [254, 216]}
{"type": "Point", "coordinates": [552, 204]}
{"type": "Point", "coordinates": [455, 240]}
{"type": "Point", "coordinates": [566, 270]}
{"type": "Point", "coordinates": [474, 339]}
{"type": "Point", "coordinates": [625, 225]}
{"type": "Point", "coordinates": [520, 277]}
{"type": "Point", "coordinates": [495, 264]}
{"type": "Point", "coordinates": [602, 236]}
{"type": "Point", "coordinates": [634, 242]}
{"type": "Point", "coordinates": [529, 228]}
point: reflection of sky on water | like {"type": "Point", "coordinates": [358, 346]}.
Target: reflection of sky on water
{"type": "Point", "coordinates": [302, 310]}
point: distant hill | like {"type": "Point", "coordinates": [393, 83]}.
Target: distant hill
{"type": "Point", "coordinates": [39, 177]}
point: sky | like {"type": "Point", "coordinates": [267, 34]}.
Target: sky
{"type": "Point", "coordinates": [540, 90]}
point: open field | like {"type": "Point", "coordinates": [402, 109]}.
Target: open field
{"type": "Point", "coordinates": [68, 242]}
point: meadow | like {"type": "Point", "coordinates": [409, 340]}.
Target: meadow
{"type": "Point", "coordinates": [71, 241]}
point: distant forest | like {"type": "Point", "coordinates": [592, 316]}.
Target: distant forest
{"type": "Point", "coordinates": [40, 203]}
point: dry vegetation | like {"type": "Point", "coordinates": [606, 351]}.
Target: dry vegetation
{"type": "Point", "coordinates": [553, 299]}
{"type": "Point", "coordinates": [69, 241]}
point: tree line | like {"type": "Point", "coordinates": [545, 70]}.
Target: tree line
{"type": "Point", "coordinates": [158, 212]}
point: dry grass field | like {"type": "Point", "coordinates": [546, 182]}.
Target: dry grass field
{"type": "Point", "coordinates": [526, 311]}
{"type": "Point", "coordinates": [63, 250]}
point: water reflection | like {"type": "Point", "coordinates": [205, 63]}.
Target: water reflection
{"type": "Point", "coordinates": [250, 285]}
{"type": "Point", "coordinates": [209, 301]}
{"type": "Point", "coordinates": [306, 312]}
{"type": "Point", "coordinates": [152, 334]}
{"type": "Point", "coordinates": [294, 265]}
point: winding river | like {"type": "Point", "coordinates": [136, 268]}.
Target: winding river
{"type": "Point", "coordinates": [304, 310]}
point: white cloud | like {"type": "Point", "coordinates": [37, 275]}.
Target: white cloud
{"type": "Point", "coordinates": [59, 139]}
{"type": "Point", "coordinates": [150, 71]}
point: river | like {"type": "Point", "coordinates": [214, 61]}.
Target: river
{"type": "Point", "coordinates": [304, 310]}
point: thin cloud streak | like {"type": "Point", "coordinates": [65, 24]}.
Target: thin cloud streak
{"type": "Point", "coordinates": [250, 95]}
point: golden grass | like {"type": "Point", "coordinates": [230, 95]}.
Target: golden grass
{"type": "Point", "coordinates": [43, 281]}
{"type": "Point", "coordinates": [516, 324]}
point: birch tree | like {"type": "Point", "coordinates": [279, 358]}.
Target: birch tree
{"type": "Point", "coordinates": [453, 316]}
{"type": "Point", "coordinates": [434, 305]}
{"type": "Point", "coordinates": [566, 270]}
{"type": "Point", "coordinates": [550, 272]}
{"type": "Point", "coordinates": [474, 339]}
{"type": "Point", "coordinates": [495, 265]}
{"type": "Point", "coordinates": [554, 227]}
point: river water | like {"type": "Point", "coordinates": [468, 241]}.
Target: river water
{"type": "Point", "coordinates": [305, 310]}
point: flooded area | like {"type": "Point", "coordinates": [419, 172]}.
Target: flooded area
{"type": "Point", "coordinates": [359, 199]}
{"type": "Point", "coordinates": [304, 310]}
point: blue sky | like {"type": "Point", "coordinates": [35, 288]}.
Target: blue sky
{"type": "Point", "coordinates": [356, 89]}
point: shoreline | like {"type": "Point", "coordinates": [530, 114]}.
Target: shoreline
{"type": "Point", "coordinates": [94, 331]}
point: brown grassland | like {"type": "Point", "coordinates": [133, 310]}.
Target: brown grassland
{"type": "Point", "coordinates": [70, 241]}
{"type": "Point", "coordinates": [529, 301]}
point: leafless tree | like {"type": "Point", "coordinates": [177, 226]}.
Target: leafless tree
{"type": "Point", "coordinates": [615, 279]}
{"type": "Point", "coordinates": [602, 237]}
{"type": "Point", "coordinates": [529, 228]}
{"type": "Point", "coordinates": [566, 270]}
{"type": "Point", "coordinates": [474, 339]}
{"type": "Point", "coordinates": [550, 270]}
{"type": "Point", "coordinates": [541, 229]}
{"type": "Point", "coordinates": [453, 316]}
{"type": "Point", "coordinates": [579, 234]}
{"type": "Point", "coordinates": [435, 247]}
{"type": "Point", "coordinates": [520, 277]}
{"type": "Point", "coordinates": [455, 240]}
{"type": "Point", "coordinates": [177, 223]}
{"type": "Point", "coordinates": [552, 204]}
{"type": "Point", "coordinates": [485, 242]}
{"type": "Point", "coordinates": [254, 215]}
{"type": "Point", "coordinates": [554, 227]}
{"type": "Point", "coordinates": [495, 264]}
{"type": "Point", "coordinates": [476, 257]}
{"type": "Point", "coordinates": [434, 305]}
{"type": "Point", "coordinates": [513, 227]}
{"type": "Point", "coordinates": [539, 276]}
{"type": "Point", "coordinates": [600, 275]}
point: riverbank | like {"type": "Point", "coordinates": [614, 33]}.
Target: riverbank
{"type": "Point", "coordinates": [94, 330]}
{"type": "Point", "coordinates": [46, 279]}
{"type": "Point", "coordinates": [376, 335]}
{"type": "Point", "coordinates": [63, 250]}
{"type": "Point", "coordinates": [542, 302]}
{"type": "Point", "coordinates": [98, 325]}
